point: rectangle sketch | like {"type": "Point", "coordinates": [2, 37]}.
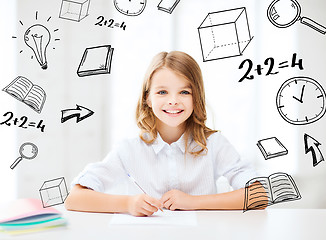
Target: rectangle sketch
{"type": "Point", "coordinates": [96, 60]}
{"type": "Point", "coordinates": [279, 187]}
{"type": "Point", "coordinates": [167, 5]}
{"type": "Point", "coordinates": [224, 34]}
{"type": "Point", "coordinates": [271, 147]}
{"type": "Point", "coordinates": [25, 91]}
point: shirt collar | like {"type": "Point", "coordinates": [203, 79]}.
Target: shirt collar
{"type": "Point", "coordinates": [159, 143]}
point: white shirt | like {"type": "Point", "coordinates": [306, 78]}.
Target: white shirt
{"type": "Point", "coordinates": [160, 167]}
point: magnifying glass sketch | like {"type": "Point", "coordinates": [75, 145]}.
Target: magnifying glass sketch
{"type": "Point", "coordinates": [284, 13]}
{"type": "Point", "coordinates": [27, 151]}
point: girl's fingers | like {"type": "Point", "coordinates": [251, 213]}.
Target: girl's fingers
{"type": "Point", "coordinates": [153, 202]}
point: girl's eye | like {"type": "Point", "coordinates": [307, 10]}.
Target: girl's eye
{"type": "Point", "coordinates": [185, 92]}
{"type": "Point", "coordinates": [162, 92]}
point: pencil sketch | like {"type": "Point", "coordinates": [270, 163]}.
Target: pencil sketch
{"type": "Point", "coordinates": [79, 112]}
{"type": "Point", "coordinates": [224, 34]}
{"type": "Point", "coordinates": [25, 91]}
{"type": "Point", "coordinates": [301, 100]}
{"type": "Point", "coordinates": [28, 151]}
{"type": "Point", "coordinates": [74, 10]}
{"type": "Point", "coordinates": [167, 5]}
{"type": "Point", "coordinates": [53, 192]}
{"type": "Point", "coordinates": [312, 145]}
{"type": "Point", "coordinates": [130, 7]}
{"type": "Point", "coordinates": [284, 13]}
{"type": "Point", "coordinates": [265, 191]}
{"type": "Point", "coordinates": [96, 60]}
{"type": "Point", "coordinates": [271, 147]}
{"type": "Point", "coordinates": [38, 37]}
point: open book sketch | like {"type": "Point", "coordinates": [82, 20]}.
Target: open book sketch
{"type": "Point", "coordinates": [224, 34]}
{"type": "Point", "coordinates": [25, 91]}
{"type": "Point", "coordinates": [312, 145]}
{"type": "Point", "coordinates": [167, 5]}
{"type": "Point", "coordinates": [74, 10]}
{"type": "Point", "coordinates": [79, 112]}
{"type": "Point", "coordinates": [271, 147]}
{"type": "Point", "coordinates": [96, 60]}
{"type": "Point", "coordinates": [284, 13]}
{"type": "Point", "coordinates": [278, 187]}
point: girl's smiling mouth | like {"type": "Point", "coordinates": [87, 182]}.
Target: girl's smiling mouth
{"type": "Point", "coordinates": [173, 111]}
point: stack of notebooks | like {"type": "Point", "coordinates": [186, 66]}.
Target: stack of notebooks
{"type": "Point", "coordinates": [28, 215]}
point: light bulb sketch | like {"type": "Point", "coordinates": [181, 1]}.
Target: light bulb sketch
{"type": "Point", "coordinates": [38, 37]}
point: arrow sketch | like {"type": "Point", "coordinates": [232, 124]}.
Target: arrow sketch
{"type": "Point", "coordinates": [80, 113]}
{"type": "Point", "coordinates": [312, 145]}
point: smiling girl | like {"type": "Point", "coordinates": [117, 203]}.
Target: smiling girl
{"type": "Point", "coordinates": [176, 158]}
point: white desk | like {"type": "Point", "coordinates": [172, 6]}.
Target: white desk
{"type": "Point", "coordinates": [267, 224]}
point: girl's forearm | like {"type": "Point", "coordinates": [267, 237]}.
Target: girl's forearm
{"type": "Point", "coordinates": [223, 201]}
{"type": "Point", "coordinates": [87, 200]}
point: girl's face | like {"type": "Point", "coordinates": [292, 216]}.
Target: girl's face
{"type": "Point", "coordinates": [170, 98]}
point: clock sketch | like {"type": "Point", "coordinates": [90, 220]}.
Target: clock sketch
{"type": "Point", "coordinates": [130, 7]}
{"type": "Point", "coordinates": [301, 100]}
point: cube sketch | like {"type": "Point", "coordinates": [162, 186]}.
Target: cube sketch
{"type": "Point", "coordinates": [74, 10]}
{"type": "Point", "coordinates": [224, 34]}
{"type": "Point", "coordinates": [53, 192]}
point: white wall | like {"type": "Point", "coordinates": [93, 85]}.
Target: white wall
{"type": "Point", "coordinates": [245, 112]}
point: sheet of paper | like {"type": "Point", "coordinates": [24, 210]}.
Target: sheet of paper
{"type": "Point", "coordinates": [185, 218]}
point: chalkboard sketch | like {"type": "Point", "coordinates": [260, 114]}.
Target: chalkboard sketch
{"type": "Point", "coordinates": [284, 13]}
{"type": "Point", "coordinates": [130, 7]}
{"type": "Point", "coordinates": [96, 60]}
{"type": "Point", "coordinates": [53, 192]}
{"type": "Point", "coordinates": [301, 100]}
{"type": "Point", "coordinates": [25, 91]}
{"type": "Point", "coordinates": [279, 187]}
{"type": "Point", "coordinates": [27, 151]}
{"type": "Point", "coordinates": [79, 112]}
{"type": "Point", "coordinates": [167, 5]}
{"type": "Point", "coordinates": [224, 34]}
{"type": "Point", "coordinates": [312, 145]}
{"type": "Point", "coordinates": [74, 10]}
{"type": "Point", "coordinates": [38, 37]}
{"type": "Point", "coordinates": [271, 147]}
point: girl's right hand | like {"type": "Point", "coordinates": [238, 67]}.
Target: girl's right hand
{"type": "Point", "coordinates": [143, 205]}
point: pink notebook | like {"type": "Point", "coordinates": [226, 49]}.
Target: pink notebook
{"type": "Point", "coordinates": [25, 208]}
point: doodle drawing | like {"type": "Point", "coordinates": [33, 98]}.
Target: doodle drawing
{"type": "Point", "coordinates": [25, 91]}
{"type": "Point", "coordinates": [79, 112]}
{"type": "Point", "coordinates": [271, 147]}
{"type": "Point", "coordinates": [224, 34]}
{"type": "Point", "coordinates": [27, 151]}
{"type": "Point", "coordinates": [301, 100]}
{"type": "Point", "coordinates": [284, 13]}
{"type": "Point", "coordinates": [312, 145]}
{"type": "Point", "coordinates": [96, 60]}
{"type": "Point", "coordinates": [75, 10]}
{"type": "Point", "coordinates": [38, 37]}
{"type": "Point", "coordinates": [279, 187]}
{"type": "Point", "coordinates": [130, 7]}
{"type": "Point", "coordinates": [167, 5]}
{"type": "Point", "coordinates": [53, 192]}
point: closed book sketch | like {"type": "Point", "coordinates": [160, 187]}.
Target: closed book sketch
{"type": "Point", "coordinates": [271, 147]}
{"type": "Point", "coordinates": [279, 187]}
{"type": "Point", "coordinates": [96, 60]}
{"type": "Point", "coordinates": [25, 91]}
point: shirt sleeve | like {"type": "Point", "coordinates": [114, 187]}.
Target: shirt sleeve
{"type": "Point", "coordinates": [105, 176]}
{"type": "Point", "coordinates": [229, 164]}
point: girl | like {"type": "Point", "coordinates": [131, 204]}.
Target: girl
{"type": "Point", "coordinates": [176, 160]}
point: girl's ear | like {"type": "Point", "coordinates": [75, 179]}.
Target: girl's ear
{"type": "Point", "coordinates": [148, 100]}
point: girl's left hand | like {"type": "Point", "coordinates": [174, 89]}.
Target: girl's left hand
{"type": "Point", "coordinates": [175, 199]}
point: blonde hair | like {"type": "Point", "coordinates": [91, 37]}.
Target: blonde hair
{"type": "Point", "coordinates": [183, 64]}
